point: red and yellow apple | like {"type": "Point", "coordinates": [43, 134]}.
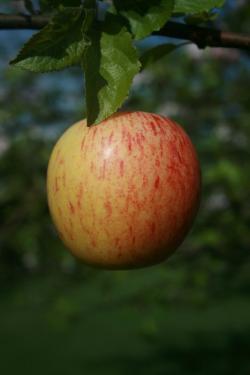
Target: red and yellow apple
{"type": "Point", "coordinates": [123, 194]}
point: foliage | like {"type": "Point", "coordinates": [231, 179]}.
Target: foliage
{"type": "Point", "coordinates": [105, 92]}
{"type": "Point", "coordinates": [193, 6]}
{"type": "Point", "coordinates": [79, 34]}
{"type": "Point", "coordinates": [59, 45]}
{"type": "Point", "coordinates": [144, 17]}
{"type": "Point", "coordinates": [47, 5]}
{"type": "Point", "coordinates": [156, 53]}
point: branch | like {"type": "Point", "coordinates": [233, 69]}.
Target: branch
{"type": "Point", "coordinates": [16, 22]}
{"type": "Point", "coordinates": [203, 37]}
{"type": "Point", "coordinates": [206, 37]}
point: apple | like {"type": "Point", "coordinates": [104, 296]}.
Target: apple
{"type": "Point", "coordinates": [123, 194]}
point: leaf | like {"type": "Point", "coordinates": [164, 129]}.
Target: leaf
{"type": "Point", "coordinates": [156, 53]}
{"type": "Point", "coordinates": [58, 45]}
{"type": "Point", "coordinates": [145, 16]}
{"type": "Point", "coordinates": [194, 6]}
{"type": "Point", "coordinates": [110, 63]}
{"type": "Point", "coordinates": [54, 4]}
{"type": "Point", "coordinates": [198, 18]}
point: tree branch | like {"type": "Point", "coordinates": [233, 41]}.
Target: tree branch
{"type": "Point", "coordinates": [203, 37]}
{"type": "Point", "coordinates": [206, 37]}
{"type": "Point", "coordinates": [16, 22]}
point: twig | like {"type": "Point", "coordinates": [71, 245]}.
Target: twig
{"type": "Point", "coordinates": [206, 37]}
{"type": "Point", "coordinates": [15, 22]}
{"type": "Point", "coordinates": [203, 37]}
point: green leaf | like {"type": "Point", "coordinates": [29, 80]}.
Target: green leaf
{"type": "Point", "coordinates": [145, 16]}
{"type": "Point", "coordinates": [198, 18]}
{"type": "Point", "coordinates": [58, 45]}
{"type": "Point", "coordinates": [194, 6]}
{"type": "Point", "coordinates": [110, 63]}
{"type": "Point", "coordinates": [54, 4]}
{"type": "Point", "coordinates": [156, 53]}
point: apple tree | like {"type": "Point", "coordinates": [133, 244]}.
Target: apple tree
{"type": "Point", "coordinates": [105, 39]}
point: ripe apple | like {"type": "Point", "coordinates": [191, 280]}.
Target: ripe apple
{"type": "Point", "coordinates": [123, 194]}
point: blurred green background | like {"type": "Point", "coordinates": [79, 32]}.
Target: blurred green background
{"type": "Point", "coordinates": [190, 315]}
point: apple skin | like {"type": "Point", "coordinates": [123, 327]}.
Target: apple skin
{"type": "Point", "coordinates": [123, 194]}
